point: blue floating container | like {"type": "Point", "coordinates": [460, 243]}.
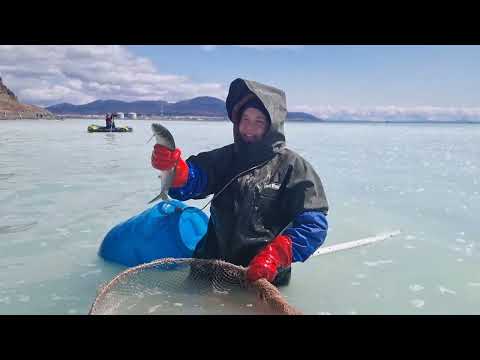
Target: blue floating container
{"type": "Point", "coordinates": [168, 229]}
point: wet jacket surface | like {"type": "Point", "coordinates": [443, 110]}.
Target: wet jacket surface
{"type": "Point", "coordinates": [277, 189]}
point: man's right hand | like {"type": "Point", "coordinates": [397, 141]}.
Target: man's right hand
{"type": "Point", "coordinates": [163, 158]}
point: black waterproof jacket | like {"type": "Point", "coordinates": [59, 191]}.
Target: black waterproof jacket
{"type": "Point", "coordinates": [259, 204]}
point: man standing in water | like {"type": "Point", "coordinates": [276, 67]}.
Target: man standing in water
{"type": "Point", "coordinates": [273, 210]}
{"type": "Point", "coordinates": [108, 121]}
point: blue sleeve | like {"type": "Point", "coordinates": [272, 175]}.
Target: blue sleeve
{"type": "Point", "coordinates": [196, 184]}
{"type": "Point", "coordinates": [308, 232]}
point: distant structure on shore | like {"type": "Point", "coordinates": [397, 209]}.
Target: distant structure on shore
{"type": "Point", "coordinates": [132, 115]}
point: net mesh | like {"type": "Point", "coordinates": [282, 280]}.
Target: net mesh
{"type": "Point", "coordinates": [189, 286]}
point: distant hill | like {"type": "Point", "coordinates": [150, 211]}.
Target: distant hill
{"type": "Point", "coordinates": [109, 106]}
{"type": "Point", "coordinates": [199, 106]}
{"type": "Point", "coordinates": [204, 105]}
{"type": "Point", "coordinates": [11, 108]}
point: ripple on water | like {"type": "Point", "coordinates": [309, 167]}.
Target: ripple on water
{"type": "Point", "coordinates": [6, 176]}
{"type": "Point", "coordinates": [8, 229]}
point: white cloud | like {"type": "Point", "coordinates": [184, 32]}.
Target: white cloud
{"type": "Point", "coordinates": [256, 47]}
{"type": "Point", "coordinates": [392, 113]}
{"type": "Point", "coordinates": [45, 74]}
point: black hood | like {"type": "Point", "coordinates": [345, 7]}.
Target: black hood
{"type": "Point", "coordinates": [274, 101]}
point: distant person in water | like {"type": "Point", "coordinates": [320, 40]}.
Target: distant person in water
{"type": "Point", "coordinates": [108, 121]}
{"type": "Point", "coordinates": [274, 211]}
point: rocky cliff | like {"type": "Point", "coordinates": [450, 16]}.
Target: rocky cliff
{"type": "Point", "coordinates": [11, 108]}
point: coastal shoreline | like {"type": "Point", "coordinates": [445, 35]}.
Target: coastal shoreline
{"type": "Point", "coordinates": [207, 119]}
{"type": "Point", "coordinates": [4, 115]}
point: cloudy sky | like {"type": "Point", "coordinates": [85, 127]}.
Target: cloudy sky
{"type": "Point", "coordinates": [329, 81]}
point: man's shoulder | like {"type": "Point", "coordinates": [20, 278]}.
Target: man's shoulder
{"type": "Point", "coordinates": [290, 155]}
{"type": "Point", "coordinates": [228, 147]}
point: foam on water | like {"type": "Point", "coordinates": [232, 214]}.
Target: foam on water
{"type": "Point", "coordinates": [89, 273]}
{"type": "Point", "coordinates": [416, 287]}
{"type": "Point", "coordinates": [444, 290]}
{"type": "Point", "coordinates": [150, 310]}
{"type": "Point", "coordinates": [377, 263]}
{"type": "Point", "coordinates": [5, 300]}
{"type": "Point", "coordinates": [23, 298]}
{"type": "Point", "coordinates": [418, 303]}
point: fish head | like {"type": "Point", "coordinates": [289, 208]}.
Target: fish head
{"type": "Point", "coordinates": [163, 136]}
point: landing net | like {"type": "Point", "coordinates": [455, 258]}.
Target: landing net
{"type": "Point", "coordinates": [189, 286]}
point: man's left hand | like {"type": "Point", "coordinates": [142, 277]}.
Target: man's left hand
{"type": "Point", "coordinates": [277, 254]}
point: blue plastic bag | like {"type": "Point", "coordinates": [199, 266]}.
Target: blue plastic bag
{"type": "Point", "coordinates": [168, 229]}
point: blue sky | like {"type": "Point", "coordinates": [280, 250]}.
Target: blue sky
{"type": "Point", "coordinates": [318, 79]}
{"type": "Point", "coordinates": [338, 75]}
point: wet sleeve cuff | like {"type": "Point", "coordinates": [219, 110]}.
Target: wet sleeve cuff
{"type": "Point", "coordinates": [195, 185]}
{"type": "Point", "coordinates": [308, 232]}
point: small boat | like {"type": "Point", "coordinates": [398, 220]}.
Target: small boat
{"type": "Point", "coordinates": [97, 128]}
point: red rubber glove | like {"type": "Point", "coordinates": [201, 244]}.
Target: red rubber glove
{"type": "Point", "coordinates": [275, 255]}
{"type": "Point", "coordinates": [165, 159]}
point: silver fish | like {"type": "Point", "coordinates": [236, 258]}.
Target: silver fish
{"type": "Point", "coordinates": [164, 138]}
